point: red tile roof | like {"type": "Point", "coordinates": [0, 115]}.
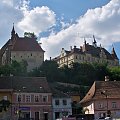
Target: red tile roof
{"type": "Point", "coordinates": [110, 88]}
{"type": "Point", "coordinates": [32, 84]}
{"type": "Point", "coordinates": [26, 44]}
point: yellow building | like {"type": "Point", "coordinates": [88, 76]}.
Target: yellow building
{"type": "Point", "coordinates": [87, 54]}
{"type": "Point", "coordinates": [22, 48]}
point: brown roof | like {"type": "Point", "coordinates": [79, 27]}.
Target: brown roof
{"type": "Point", "coordinates": [59, 94]}
{"type": "Point", "coordinates": [111, 89]}
{"type": "Point", "coordinates": [96, 51]}
{"type": "Point", "coordinates": [90, 49]}
{"type": "Point", "coordinates": [31, 84]}
{"type": "Point", "coordinates": [26, 44]}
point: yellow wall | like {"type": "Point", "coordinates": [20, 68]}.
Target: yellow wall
{"type": "Point", "coordinates": [33, 58]}
{"type": "Point", "coordinates": [8, 94]}
{"type": "Point", "coordinates": [76, 98]}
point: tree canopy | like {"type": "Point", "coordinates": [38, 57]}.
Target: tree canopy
{"type": "Point", "coordinates": [29, 35]}
{"type": "Point", "coordinates": [78, 73]}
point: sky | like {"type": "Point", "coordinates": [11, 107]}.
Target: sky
{"type": "Point", "coordinates": [63, 23]}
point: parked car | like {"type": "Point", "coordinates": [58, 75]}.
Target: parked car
{"type": "Point", "coordinates": [101, 118]}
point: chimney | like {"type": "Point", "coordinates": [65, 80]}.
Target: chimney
{"type": "Point", "coordinates": [74, 46]}
{"type": "Point", "coordinates": [106, 78]}
{"type": "Point", "coordinates": [50, 58]}
{"type": "Point", "coordinates": [70, 47]}
{"type": "Point", "coordinates": [80, 47]}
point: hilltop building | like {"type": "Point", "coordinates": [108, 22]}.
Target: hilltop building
{"type": "Point", "coordinates": [22, 48]}
{"type": "Point", "coordinates": [87, 54]}
{"type": "Point", "coordinates": [103, 99]}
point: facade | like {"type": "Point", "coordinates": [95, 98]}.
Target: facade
{"type": "Point", "coordinates": [22, 48]}
{"type": "Point", "coordinates": [30, 97]}
{"type": "Point", "coordinates": [87, 54]}
{"type": "Point", "coordinates": [103, 99]}
{"type": "Point", "coordinates": [61, 104]}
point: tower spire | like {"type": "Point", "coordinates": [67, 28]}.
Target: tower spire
{"type": "Point", "coordinates": [94, 42]}
{"type": "Point", "coordinates": [113, 53]}
{"type": "Point", "coordinates": [84, 41]}
{"type": "Point", "coordinates": [13, 31]}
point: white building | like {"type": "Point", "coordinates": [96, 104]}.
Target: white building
{"type": "Point", "coordinates": [103, 99]}
{"type": "Point", "coordinates": [87, 54]}
{"type": "Point", "coordinates": [61, 104]}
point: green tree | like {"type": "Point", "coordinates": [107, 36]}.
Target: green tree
{"type": "Point", "coordinates": [5, 70]}
{"type": "Point", "coordinates": [101, 70]}
{"type": "Point", "coordinates": [15, 68]}
{"type": "Point", "coordinates": [48, 69]}
{"type": "Point", "coordinates": [30, 35]}
{"type": "Point", "coordinates": [4, 105]}
{"type": "Point", "coordinates": [114, 73]}
{"type": "Point", "coordinates": [19, 68]}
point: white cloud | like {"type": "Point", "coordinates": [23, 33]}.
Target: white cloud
{"type": "Point", "coordinates": [8, 14]}
{"type": "Point", "coordinates": [37, 20]}
{"type": "Point", "coordinates": [26, 20]}
{"type": "Point", "coordinates": [102, 22]}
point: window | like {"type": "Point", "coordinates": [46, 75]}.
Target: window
{"type": "Point", "coordinates": [36, 98]}
{"type": "Point", "coordinates": [44, 98]}
{"type": "Point", "coordinates": [57, 115]}
{"type": "Point", "coordinates": [19, 98]}
{"type": "Point", "coordinates": [37, 116]}
{"type": "Point", "coordinates": [100, 105]}
{"type": "Point", "coordinates": [114, 105]}
{"type": "Point", "coordinates": [80, 57]}
{"type": "Point", "coordinates": [31, 54]}
{"type": "Point", "coordinates": [64, 102]}
{"type": "Point", "coordinates": [28, 98]}
{"type": "Point", "coordinates": [5, 97]}
{"type": "Point", "coordinates": [57, 102]}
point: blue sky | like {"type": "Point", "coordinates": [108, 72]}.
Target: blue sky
{"type": "Point", "coordinates": [63, 23]}
{"type": "Point", "coordinates": [71, 9]}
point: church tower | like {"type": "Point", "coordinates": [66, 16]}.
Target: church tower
{"type": "Point", "coordinates": [13, 32]}
{"type": "Point", "coordinates": [94, 42]}
{"type": "Point", "coordinates": [113, 53]}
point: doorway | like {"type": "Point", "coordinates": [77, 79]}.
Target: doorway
{"type": "Point", "coordinates": [45, 116]}
{"type": "Point", "coordinates": [37, 116]}
{"type": "Point", "coordinates": [57, 115]}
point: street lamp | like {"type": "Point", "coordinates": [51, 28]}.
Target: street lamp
{"type": "Point", "coordinates": [108, 113]}
{"type": "Point", "coordinates": [19, 100]}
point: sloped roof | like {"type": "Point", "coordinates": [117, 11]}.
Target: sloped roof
{"type": "Point", "coordinates": [59, 94]}
{"type": "Point", "coordinates": [31, 84]}
{"type": "Point", "coordinates": [95, 51]}
{"type": "Point", "coordinates": [110, 88]}
{"type": "Point", "coordinates": [26, 44]}
{"type": "Point", "coordinates": [76, 50]}
{"type": "Point", "coordinates": [114, 55]}
{"type": "Point", "coordinates": [92, 50]}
